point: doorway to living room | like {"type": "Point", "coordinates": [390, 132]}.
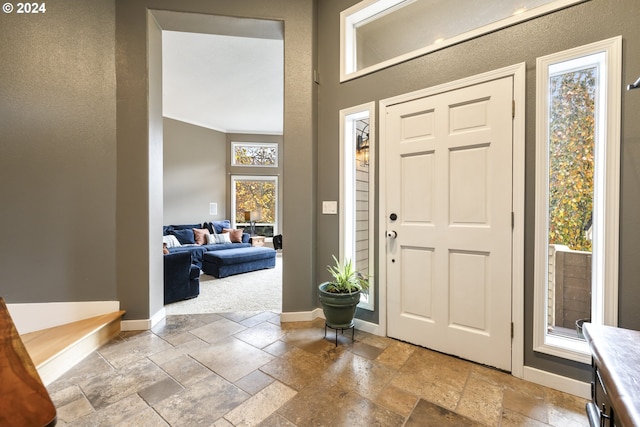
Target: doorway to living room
{"type": "Point", "coordinates": [222, 83]}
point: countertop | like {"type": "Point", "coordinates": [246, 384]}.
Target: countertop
{"type": "Point", "coordinates": [616, 352]}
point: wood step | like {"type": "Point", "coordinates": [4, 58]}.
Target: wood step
{"type": "Point", "coordinates": [24, 400]}
{"type": "Point", "coordinates": [56, 350]}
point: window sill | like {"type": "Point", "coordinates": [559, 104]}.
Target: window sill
{"type": "Point", "coordinates": [567, 348]}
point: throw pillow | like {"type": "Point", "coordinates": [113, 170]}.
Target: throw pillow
{"type": "Point", "coordinates": [234, 234]}
{"type": "Point", "coordinates": [185, 237]}
{"type": "Point", "coordinates": [214, 239]}
{"type": "Point", "coordinates": [171, 241]}
{"type": "Point", "coordinates": [218, 226]}
{"type": "Point", "coordinates": [164, 249]}
{"type": "Point", "coordinates": [200, 236]}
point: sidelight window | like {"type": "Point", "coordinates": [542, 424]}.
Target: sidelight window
{"type": "Point", "coordinates": [577, 180]}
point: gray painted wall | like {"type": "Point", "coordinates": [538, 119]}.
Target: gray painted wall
{"type": "Point", "coordinates": [58, 153]}
{"type": "Point", "coordinates": [585, 23]}
{"type": "Point", "coordinates": [195, 173]}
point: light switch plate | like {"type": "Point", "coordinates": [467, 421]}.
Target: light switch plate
{"type": "Point", "coordinates": [330, 207]}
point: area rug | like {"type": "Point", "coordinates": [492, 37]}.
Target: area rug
{"type": "Point", "coordinates": [255, 291]}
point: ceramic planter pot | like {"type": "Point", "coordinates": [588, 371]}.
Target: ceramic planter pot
{"type": "Point", "coordinates": [339, 309]}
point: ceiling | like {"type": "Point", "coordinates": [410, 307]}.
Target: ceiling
{"type": "Point", "coordinates": [227, 82]}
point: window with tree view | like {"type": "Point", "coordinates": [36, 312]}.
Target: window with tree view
{"type": "Point", "coordinates": [577, 195]}
{"type": "Point", "coordinates": [572, 110]}
{"type": "Point", "coordinates": [257, 154]}
{"type": "Point", "coordinates": [254, 201]}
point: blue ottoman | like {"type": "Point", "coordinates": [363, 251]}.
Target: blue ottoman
{"type": "Point", "coordinates": [235, 261]}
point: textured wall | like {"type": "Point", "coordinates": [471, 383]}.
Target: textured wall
{"type": "Point", "coordinates": [58, 153]}
{"type": "Point", "coordinates": [585, 23]}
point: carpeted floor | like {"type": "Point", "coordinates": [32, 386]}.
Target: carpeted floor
{"type": "Point", "coordinates": [255, 291]}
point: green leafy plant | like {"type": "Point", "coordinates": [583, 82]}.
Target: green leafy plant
{"type": "Point", "coordinates": [346, 279]}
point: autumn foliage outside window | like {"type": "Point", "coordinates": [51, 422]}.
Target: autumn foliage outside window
{"type": "Point", "coordinates": [255, 154]}
{"type": "Point", "coordinates": [256, 196]}
{"type": "Point", "coordinates": [571, 157]}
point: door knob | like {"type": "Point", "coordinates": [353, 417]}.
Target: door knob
{"type": "Point", "coordinates": [392, 234]}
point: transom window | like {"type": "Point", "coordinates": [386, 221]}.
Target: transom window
{"type": "Point", "coordinates": [378, 33]}
{"type": "Point", "coordinates": [255, 154]}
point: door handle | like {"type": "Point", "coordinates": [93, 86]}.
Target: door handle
{"type": "Point", "coordinates": [392, 234]}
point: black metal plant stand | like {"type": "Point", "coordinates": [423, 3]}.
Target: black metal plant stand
{"type": "Point", "coordinates": [341, 329]}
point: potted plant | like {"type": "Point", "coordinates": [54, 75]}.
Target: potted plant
{"type": "Point", "coordinates": [340, 296]}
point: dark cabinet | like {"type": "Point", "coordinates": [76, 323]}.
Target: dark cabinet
{"type": "Point", "coordinates": [615, 384]}
{"type": "Point", "coordinates": [599, 410]}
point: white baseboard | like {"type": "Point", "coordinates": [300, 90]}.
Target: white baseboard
{"type": "Point", "coordinates": [372, 328]}
{"type": "Point", "coordinates": [307, 316]}
{"type": "Point", "coordinates": [301, 316]}
{"type": "Point", "coordinates": [558, 382]}
{"type": "Point", "coordinates": [30, 317]}
{"type": "Point", "coordinates": [143, 324]}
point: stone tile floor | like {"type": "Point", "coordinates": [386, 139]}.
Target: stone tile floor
{"type": "Point", "coordinates": [248, 369]}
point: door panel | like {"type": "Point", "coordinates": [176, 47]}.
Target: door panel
{"type": "Point", "coordinates": [449, 180]}
{"type": "Point", "coordinates": [468, 185]}
{"type": "Point", "coordinates": [418, 169]}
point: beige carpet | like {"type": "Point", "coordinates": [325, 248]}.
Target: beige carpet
{"type": "Point", "coordinates": [255, 291]}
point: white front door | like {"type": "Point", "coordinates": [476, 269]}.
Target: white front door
{"type": "Point", "coordinates": [449, 186]}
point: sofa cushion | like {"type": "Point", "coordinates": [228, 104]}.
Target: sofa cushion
{"type": "Point", "coordinates": [171, 241]}
{"type": "Point", "coordinates": [208, 226]}
{"type": "Point", "coordinates": [218, 226]}
{"type": "Point", "coordinates": [234, 234]}
{"type": "Point", "coordinates": [224, 246]}
{"type": "Point", "coordinates": [239, 255]}
{"type": "Point", "coordinates": [185, 237]}
{"type": "Point", "coordinates": [184, 226]}
{"type": "Point", "coordinates": [200, 236]}
{"type": "Point", "coordinates": [213, 239]}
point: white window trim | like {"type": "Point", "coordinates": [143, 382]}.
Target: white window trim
{"type": "Point", "coordinates": [253, 144]}
{"type": "Point", "coordinates": [366, 9]}
{"type": "Point", "coordinates": [235, 178]}
{"type": "Point", "coordinates": [348, 117]}
{"type": "Point", "coordinates": [605, 305]}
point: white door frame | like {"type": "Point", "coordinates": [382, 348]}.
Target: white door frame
{"type": "Point", "coordinates": [517, 71]}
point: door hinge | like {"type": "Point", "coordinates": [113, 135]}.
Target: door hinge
{"type": "Point", "coordinates": [513, 108]}
{"type": "Point", "coordinates": [513, 220]}
{"type": "Point", "coordinates": [511, 330]}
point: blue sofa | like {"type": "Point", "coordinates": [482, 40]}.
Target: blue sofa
{"type": "Point", "coordinates": [181, 277]}
{"type": "Point", "coordinates": [184, 234]}
{"type": "Point", "coordinates": [217, 259]}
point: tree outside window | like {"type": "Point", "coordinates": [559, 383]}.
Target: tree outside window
{"type": "Point", "coordinates": [571, 158]}
{"type": "Point", "coordinates": [260, 154]}
{"type": "Point", "coordinates": [255, 200]}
